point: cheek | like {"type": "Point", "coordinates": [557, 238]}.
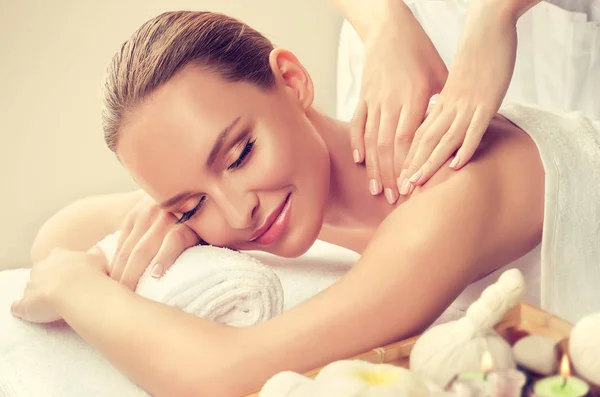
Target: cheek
{"type": "Point", "coordinates": [273, 165]}
{"type": "Point", "coordinates": [212, 229]}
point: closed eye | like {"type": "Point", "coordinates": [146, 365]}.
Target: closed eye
{"type": "Point", "coordinates": [187, 215]}
{"type": "Point", "coordinates": [247, 150]}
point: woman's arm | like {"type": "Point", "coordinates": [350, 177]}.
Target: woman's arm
{"type": "Point", "coordinates": [82, 224]}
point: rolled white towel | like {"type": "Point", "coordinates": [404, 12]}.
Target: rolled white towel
{"type": "Point", "coordinates": [220, 284]}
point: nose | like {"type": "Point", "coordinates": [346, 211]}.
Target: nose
{"type": "Point", "coordinates": [238, 207]}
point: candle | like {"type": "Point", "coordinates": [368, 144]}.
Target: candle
{"type": "Point", "coordinates": [473, 384]}
{"type": "Point", "coordinates": [486, 366]}
{"type": "Point", "coordinates": [564, 385]}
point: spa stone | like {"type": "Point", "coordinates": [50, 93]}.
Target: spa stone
{"type": "Point", "coordinates": [537, 354]}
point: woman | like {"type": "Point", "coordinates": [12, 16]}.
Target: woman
{"type": "Point", "coordinates": [218, 127]}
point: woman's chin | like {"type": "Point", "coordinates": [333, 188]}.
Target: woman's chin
{"type": "Point", "coordinates": [297, 242]}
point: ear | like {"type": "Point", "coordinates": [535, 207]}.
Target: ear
{"type": "Point", "coordinates": [290, 73]}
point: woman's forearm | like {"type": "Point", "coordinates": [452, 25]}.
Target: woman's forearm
{"type": "Point", "coordinates": [82, 224]}
{"type": "Point", "coordinates": [364, 15]}
{"type": "Point", "coordinates": [162, 349]}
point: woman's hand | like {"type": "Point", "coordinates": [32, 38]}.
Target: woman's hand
{"type": "Point", "coordinates": [476, 86]}
{"type": "Point", "coordinates": [402, 71]}
{"type": "Point", "coordinates": [150, 236]}
{"type": "Point", "coordinates": [49, 275]}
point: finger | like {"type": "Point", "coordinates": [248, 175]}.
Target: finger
{"type": "Point", "coordinates": [125, 231]}
{"type": "Point", "coordinates": [15, 308]}
{"type": "Point", "coordinates": [448, 144]}
{"type": "Point", "coordinates": [478, 126]}
{"type": "Point", "coordinates": [176, 241]}
{"type": "Point", "coordinates": [428, 142]}
{"type": "Point", "coordinates": [19, 309]}
{"type": "Point", "coordinates": [357, 132]}
{"type": "Point", "coordinates": [410, 119]}
{"type": "Point", "coordinates": [371, 130]}
{"type": "Point", "coordinates": [138, 231]}
{"type": "Point", "coordinates": [145, 250]}
{"type": "Point", "coordinates": [431, 118]}
{"type": "Point", "coordinates": [425, 125]}
{"type": "Point", "coordinates": [385, 154]}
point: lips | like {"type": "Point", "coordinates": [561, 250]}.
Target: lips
{"type": "Point", "coordinates": [274, 225]}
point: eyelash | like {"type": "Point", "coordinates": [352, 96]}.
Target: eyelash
{"type": "Point", "coordinates": [247, 150]}
{"type": "Point", "coordinates": [186, 216]}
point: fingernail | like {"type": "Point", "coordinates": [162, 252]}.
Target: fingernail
{"type": "Point", "coordinates": [415, 178]}
{"type": "Point", "coordinates": [390, 195]}
{"type": "Point", "coordinates": [454, 162]}
{"type": "Point", "coordinates": [374, 187]}
{"type": "Point", "coordinates": [356, 156]}
{"type": "Point", "coordinates": [405, 187]}
{"type": "Point", "coordinates": [157, 271]}
{"type": "Point", "coordinates": [410, 190]}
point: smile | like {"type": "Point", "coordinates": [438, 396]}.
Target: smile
{"type": "Point", "coordinates": [275, 224]}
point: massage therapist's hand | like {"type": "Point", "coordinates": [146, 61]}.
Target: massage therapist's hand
{"type": "Point", "coordinates": [402, 71]}
{"type": "Point", "coordinates": [150, 236]}
{"type": "Point", "coordinates": [50, 275]}
{"type": "Point", "coordinates": [476, 86]}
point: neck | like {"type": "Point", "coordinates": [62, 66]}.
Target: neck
{"type": "Point", "coordinates": [350, 205]}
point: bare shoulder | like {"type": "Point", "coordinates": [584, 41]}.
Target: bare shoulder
{"type": "Point", "coordinates": [491, 210]}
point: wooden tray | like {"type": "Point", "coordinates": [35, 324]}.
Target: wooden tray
{"type": "Point", "coordinates": [524, 316]}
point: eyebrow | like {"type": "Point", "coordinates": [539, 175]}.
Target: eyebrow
{"type": "Point", "coordinates": [209, 162]}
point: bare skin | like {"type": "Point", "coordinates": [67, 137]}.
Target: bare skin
{"type": "Point", "coordinates": [416, 257]}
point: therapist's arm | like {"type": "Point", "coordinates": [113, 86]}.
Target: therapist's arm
{"type": "Point", "coordinates": [514, 8]}
{"type": "Point", "coordinates": [363, 15]}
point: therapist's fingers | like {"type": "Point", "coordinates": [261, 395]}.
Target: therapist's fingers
{"type": "Point", "coordinates": [427, 144]}
{"type": "Point", "coordinates": [371, 159]}
{"type": "Point", "coordinates": [385, 153]}
{"type": "Point", "coordinates": [410, 119]}
{"type": "Point", "coordinates": [477, 127]}
{"type": "Point", "coordinates": [176, 241]}
{"type": "Point", "coordinates": [403, 182]}
{"type": "Point", "coordinates": [357, 132]}
{"type": "Point", "coordinates": [448, 143]}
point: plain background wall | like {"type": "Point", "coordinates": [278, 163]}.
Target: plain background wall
{"type": "Point", "coordinates": [53, 55]}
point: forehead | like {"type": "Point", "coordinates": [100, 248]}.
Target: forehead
{"type": "Point", "coordinates": [176, 127]}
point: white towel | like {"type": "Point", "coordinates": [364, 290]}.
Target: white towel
{"type": "Point", "coordinates": [569, 146]}
{"type": "Point", "coordinates": [220, 284]}
{"type": "Point", "coordinates": [53, 361]}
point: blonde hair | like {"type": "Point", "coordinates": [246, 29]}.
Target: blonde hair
{"type": "Point", "coordinates": [164, 45]}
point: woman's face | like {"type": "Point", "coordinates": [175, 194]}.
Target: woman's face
{"type": "Point", "coordinates": [244, 168]}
